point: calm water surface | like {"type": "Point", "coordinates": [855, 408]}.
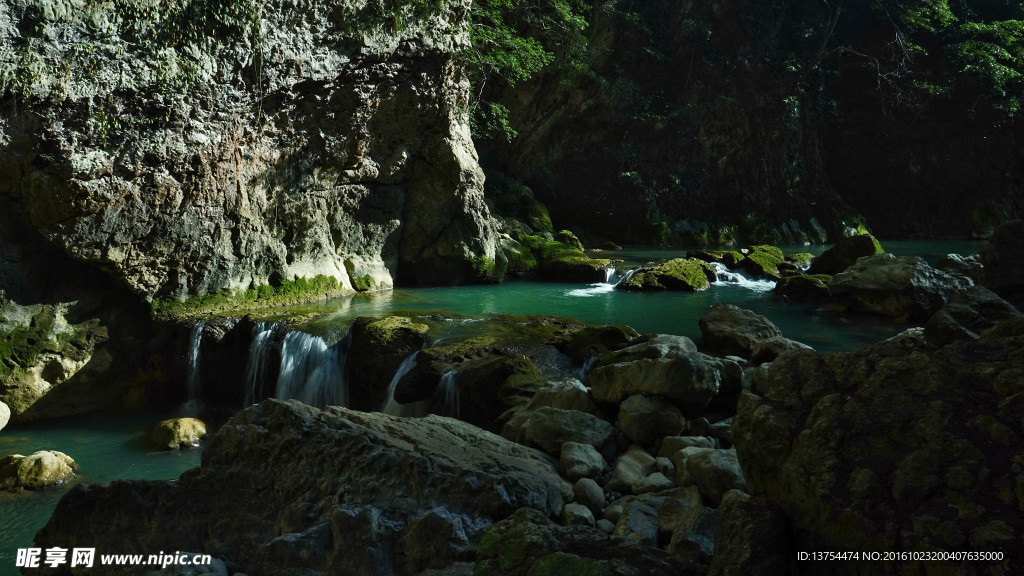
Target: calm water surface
{"type": "Point", "coordinates": [109, 447]}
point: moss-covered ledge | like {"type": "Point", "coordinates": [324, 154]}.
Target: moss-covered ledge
{"type": "Point", "coordinates": [297, 291]}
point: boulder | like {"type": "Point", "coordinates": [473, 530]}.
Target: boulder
{"type": "Point", "coordinates": [567, 394]}
{"type": "Point", "coordinates": [687, 274]}
{"type": "Point", "coordinates": [661, 368]}
{"type": "Point", "coordinates": [803, 288]}
{"type": "Point", "coordinates": [902, 445]}
{"type": "Point", "coordinates": [967, 315]}
{"type": "Point", "coordinates": [729, 329]}
{"type": "Point", "coordinates": [905, 288]}
{"type": "Point", "coordinates": [549, 428]}
{"type": "Point", "coordinates": [630, 467]}
{"type": "Point", "coordinates": [730, 258]}
{"type": "Point", "coordinates": [965, 266]}
{"type": "Point", "coordinates": [379, 345]}
{"type": "Point", "coordinates": [5, 415]}
{"type": "Point", "coordinates": [581, 461]}
{"type": "Point", "coordinates": [335, 487]}
{"type": "Point", "coordinates": [763, 262]}
{"type": "Point", "coordinates": [39, 470]}
{"type": "Point", "coordinates": [489, 387]}
{"type": "Point", "coordinates": [591, 340]}
{"type": "Point", "coordinates": [645, 420]}
{"type": "Point", "coordinates": [589, 493]}
{"type": "Point", "coordinates": [656, 482]}
{"type": "Point", "coordinates": [771, 348]}
{"type": "Point", "coordinates": [714, 471]}
{"type": "Point", "coordinates": [670, 445]}
{"type": "Point", "coordinates": [750, 538]}
{"type": "Point", "coordinates": [574, 514]}
{"type": "Point", "coordinates": [1002, 256]}
{"type": "Point", "coordinates": [528, 543]}
{"type": "Point", "coordinates": [844, 254]}
{"type": "Point", "coordinates": [177, 433]}
{"type": "Point", "coordinates": [690, 530]}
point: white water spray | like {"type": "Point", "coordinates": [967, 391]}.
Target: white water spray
{"type": "Point", "coordinates": [256, 364]}
{"type": "Point", "coordinates": [726, 276]}
{"type": "Point", "coordinates": [311, 371]}
{"type": "Point", "coordinates": [391, 406]}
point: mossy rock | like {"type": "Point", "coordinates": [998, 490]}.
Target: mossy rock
{"type": "Point", "coordinates": [763, 261]}
{"type": "Point", "coordinates": [490, 387]}
{"type": "Point", "coordinates": [296, 291]}
{"type": "Point", "coordinates": [730, 258]}
{"type": "Point", "coordinates": [802, 259]}
{"type": "Point", "coordinates": [177, 433]}
{"type": "Point", "coordinates": [598, 339]}
{"type": "Point", "coordinates": [536, 215]}
{"type": "Point", "coordinates": [39, 470]}
{"type": "Point", "coordinates": [678, 274]}
{"type": "Point", "coordinates": [845, 252]}
{"type": "Point", "coordinates": [564, 263]}
{"type": "Point", "coordinates": [803, 288]}
{"type": "Point", "coordinates": [521, 259]}
{"type": "Point", "coordinates": [567, 237]}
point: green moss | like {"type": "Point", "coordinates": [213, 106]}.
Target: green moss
{"type": "Point", "coordinates": [295, 291]}
{"type": "Point", "coordinates": [800, 258]}
{"type": "Point", "coordinates": [567, 237]}
{"type": "Point", "coordinates": [363, 283]}
{"type": "Point", "coordinates": [537, 216]}
{"type": "Point", "coordinates": [763, 261]}
{"type": "Point", "coordinates": [678, 274]}
{"type": "Point", "coordinates": [730, 258]}
{"type": "Point", "coordinates": [21, 347]}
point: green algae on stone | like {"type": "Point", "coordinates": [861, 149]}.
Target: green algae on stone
{"type": "Point", "coordinates": [297, 291]}
{"type": "Point", "coordinates": [763, 261]}
{"type": "Point", "coordinates": [677, 274]}
{"type": "Point", "coordinates": [730, 258]}
{"type": "Point", "coordinates": [845, 253]}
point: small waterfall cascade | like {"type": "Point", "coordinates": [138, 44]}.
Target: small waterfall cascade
{"type": "Point", "coordinates": [391, 406]}
{"type": "Point", "coordinates": [311, 371]}
{"type": "Point", "coordinates": [192, 380]}
{"type": "Point", "coordinates": [446, 399]}
{"type": "Point", "coordinates": [611, 279]}
{"type": "Point", "coordinates": [726, 276]}
{"type": "Point", "coordinates": [257, 364]}
{"type": "Point", "coordinates": [587, 366]}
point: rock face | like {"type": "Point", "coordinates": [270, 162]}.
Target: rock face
{"type": "Point", "coordinates": [40, 470]}
{"type": "Point", "coordinates": [903, 287]}
{"type": "Point", "coordinates": [900, 446]}
{"type": "Point", "coordinates": [185, 149]}
{"type": "Point", "coordinates": [336, 491]}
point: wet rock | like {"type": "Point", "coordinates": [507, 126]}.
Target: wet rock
{"type": "Point", "coordinates": [528, 543]}
{"type": "Point", "coordinates": [844, 254]}
{"type": "Point", "coordinates": [771, 348]}
{"type": "Point", "coordinates": [550, 428]}
{"type": "Point", "coordinates": [630, 467]}
{"type": "Point", "coordinates": [564, 263]}
{"type": "Point", "coordinates": [592, 340]}
{"type": "Point", "coordinates": [678, 274]}
{"type": "Point", "coordinates": [749, 539]}
{"type": "Point", "coordinates": [1002, 256]}
{"type": "Point", "coordinates": [968, 314]}
{"type": "Point", "coordinates": [379, 345]}
{"type": "Point", "coordinates": [587, 492]}
{"type": "Point", "coordinates": [568, 394]}
{"type": "Point", "coordinates": [821, 444]}
{"type": "Point", "coordinates": [803, 288]}
{"type": "Point", "coordinates": [177, 433]}
{"type": "Point", "coordinates": [581, 461]}
{"type": "Point", "coordinates": [645, 420]}
{"type": "Point", "coordinates": [658, 346]}
{"type": "Point", "coordinates": [574, 514]}
{"type": "Point", "coordinates": [763, 262]}
{"type": "Point", "coordinates": [905, 288]}
{"type": "Point", "coordinates": [490, 387]}
{"type": "Point", "coordinates": [670, 372]}
{"type": "Point", "coordinates": [369, 482]}
{"type": "Point", "coordinates": [965, 266]}
{"type": "Point", "coordinates": [37, 471]}
{"type": "Point", "coordinates": [5, 415]}
{"type": "Point", "coordinates": [730, 329]}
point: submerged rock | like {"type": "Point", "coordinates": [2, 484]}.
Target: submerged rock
{"type": "Point", "coordinates": [844, 254]}
{"type": "Point", "coordinates": [39, 470]}
{"type": "Point", "coordinates": [177, 433]}
{"type": "Point", "coordinates": [336, 491]}
{"type": "Point", "coordinates": [899, 446]}
{"type": "Point", "coordinates": [678, 274]}
{"type": "Point", "coordinates": [905, 288]}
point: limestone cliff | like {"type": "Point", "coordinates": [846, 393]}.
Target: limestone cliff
{"type": "Point", "coordinates": [192, 146]}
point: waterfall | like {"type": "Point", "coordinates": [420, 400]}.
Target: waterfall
{"type": "Point", "coordinates": [257, 363]}
{"type": "Point", "coordinates": [588, 364]}
{"type": "Point", "coordinates": [611, 279]}
{"type": "Point", "coordinates": [195, 340]}
{"type": "Point", "coordinates": [311, 371]}
{"type": "Point", "coordinates": [391, 406]}
{"type": "Point", "coordinates": [446, 399]}
{"type": "Point", "coordinates": [726, 276]}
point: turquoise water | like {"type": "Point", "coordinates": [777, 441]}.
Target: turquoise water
{"type": "Point", "coordinates": [110, 447]}
{"type": "Point", "coordinates": [106, 447]}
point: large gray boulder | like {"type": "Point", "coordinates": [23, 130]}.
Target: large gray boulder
{"type": "Point", "coordinates": [729, 329]}
{"type": "Point", "coordinates": [286, 487]}
{"type": "Point", "coordinates": [549, 428]}
{"type": "Point", "coordinates": [905, 288]}
{"type": "Point", "coordinates": [967, 315]}
{"type": "Point", "coordinates": [645, 420]}
{"type": "Point", "coordinates": [844, 254]}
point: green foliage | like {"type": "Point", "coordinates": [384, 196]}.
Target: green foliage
{"type": "Point", "coordinates": [511, 42]}
{"type": "Point", "coordinates": [993, 52]}
{"type": "Point", "coordinates": [295, 291]}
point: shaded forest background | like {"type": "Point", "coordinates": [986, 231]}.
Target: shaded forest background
{"type": "Point", "coordinates": [690, 122]}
